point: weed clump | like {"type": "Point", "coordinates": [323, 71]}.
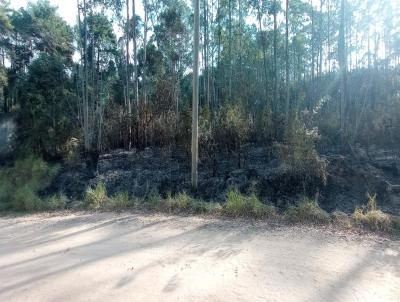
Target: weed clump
{"type": "Point", "coordinates": [238, 205]}
{"type": "Point", "coordinates": [371, 217]}
{"type": "Point", "coordinates": [96, 198]}
{"type": "Point", "coordinates": [119, 201]}
{"type": "Point", "coordinates": [307, 210]}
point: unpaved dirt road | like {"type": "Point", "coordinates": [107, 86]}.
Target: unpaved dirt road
{"type": "Point", "coordinates": [137, 257]}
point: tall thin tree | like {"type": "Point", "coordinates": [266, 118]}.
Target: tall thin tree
{"type": "Point", "coordinates": [135, 64]}
{"type": "Point", "coordinates": [343, 67]}
{"type": "Point", "coordinates": [287, 64]}
{"type": "Point", "coordinates": [195, 99]}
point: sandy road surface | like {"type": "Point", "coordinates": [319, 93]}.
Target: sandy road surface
{"type": "Point", "coordinates": [134, 257]}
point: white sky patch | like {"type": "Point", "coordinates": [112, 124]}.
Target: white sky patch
{"type": "Point", "coordinates": [67, 9]}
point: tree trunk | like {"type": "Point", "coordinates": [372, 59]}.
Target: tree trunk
{"type": "Point", "coordinates": [195, 104]}
{"type": "Point", "coordinates": [86, 130]}
{"type": "Point", "coordinates": [287, 65]}
{"type": "Point", "coordinates": [343, 69]}
{"type": "Point", "coordinates": [135, 65]}
{"type": "Point", "coordinates": [145, 52]}
{"type": "Point", "coordinates": [275, 102]}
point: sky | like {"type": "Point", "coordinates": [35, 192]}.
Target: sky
{"type": "Point", "coordinates": [66, 8]}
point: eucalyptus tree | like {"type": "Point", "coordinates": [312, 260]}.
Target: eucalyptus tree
{"type": "Point", "coordinates": [195, 99]}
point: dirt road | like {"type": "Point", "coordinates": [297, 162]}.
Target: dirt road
{"type": "Point", "coordinates": [135, 257]}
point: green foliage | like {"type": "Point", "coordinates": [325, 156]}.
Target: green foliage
{"type": "Point", "coordinates": [20, 184]}
{"type": "Point", "coordinates": [119, 201]}
{"type": "Point", "coordinates": [306, 170]}
{"type": "Point", "coordinates": [307, 211]}
{"type": "Point", "coordinates": [180, 201]}
{"type": "Point", "coordinates": [238, 205]}
{"type": "Point", "coordinates": [396, 223]}
{"type": "Point", "coordinates": [153, 199]}
{"type": "Point", "coordinates": [232, 127]}
{"type": "Point", "coordinates": [56, 202]}
{"type": "Point", "coordinates": [25, 199]}
{"type": "Point", "coordinates": [45, 116]}
{"type": "Point", "coordinates": [96, 198]}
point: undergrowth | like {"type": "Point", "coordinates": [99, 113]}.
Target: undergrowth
{"type": "Point", "coordinates": [373, 218]}
{"type": "Point", "coordinates": [20, 186]}
{"type": "Point", "coordinates": [238, 205]}
{"type": "Point", "coordinates": [307, 210]}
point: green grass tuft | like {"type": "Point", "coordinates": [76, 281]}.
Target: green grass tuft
{"type": "Point", "coordinates": [96, 198]}
{"type": "Point", "coordinates": [119, 201]}
{"type": "Point", "coordinates": [56, 202]}
{"type": "Point", "coordinates": [238, 205]}
{"type": "Point", "coordinates": [307, 211]}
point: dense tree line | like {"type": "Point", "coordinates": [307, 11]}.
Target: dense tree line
{"type": "Point", "coordinates": [287, 74]}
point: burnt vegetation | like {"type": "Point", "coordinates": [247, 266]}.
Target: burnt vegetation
{"type": "Point", "coordinates": [299, 109]}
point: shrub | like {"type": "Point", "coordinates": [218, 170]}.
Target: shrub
{"type": "Point", "coordinates": [396, 223]}
{"type": "Point", "coordinates": [96, 198]}
{"type": "Point", "coordinates": [203, 207]}
{"type": "Point", "coordinates": [153, 200]}
{"type": "Point", "coordinates": [239, 205]}
{"type": "Point", "coordinates": [306, 171]}
{"type": "Point", "coordinates": [56, 202]}
{"type": "Point", "coordinates": [261, 210]}
{"type": "Point", "coordinates": [119, 201]}
{"type": "Point", "coordinates": [232, 127]}
{"type": "Point", "coordinates": [307, 211]}
{"type": "Point", "coordinates": [20, 184]}
{"type": "Point", "coordinates": [180, 202]}
{"type": "Point", "coordinates": [25, 199]}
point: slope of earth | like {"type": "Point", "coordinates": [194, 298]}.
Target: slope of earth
{"type": "Point", "coordinates": [136, 257]}
{"type": "Point", "coordinates": [167, 171]}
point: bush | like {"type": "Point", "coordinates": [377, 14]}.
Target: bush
{"type": "Point", "coordinates": [396, 223]}
{"type": "Point", "coordinates": [119, 201]}
{"type": "Point", "coordinates": [232, 127]}
{"type": "Point", "coordinates": [307, 211]}
{"type": "Point", "coordinates": [25, 199]}
{"type": "Point", "coordinates": [96, 198]}
{"type": "Point", "coordinates": [153, 200]}
{"type": "Point", "coordinates": [238, 205]}
{"type": "Point", "coordinates": [204, 207]}
{"type": "Point", "coordinates": [306, 170]}
{"type": "Point", "coordinates": [180, 202]}
{"type": "Point", "coordinates": [56, 202]}
{"type": "Point", "coordinates": [21, 183]}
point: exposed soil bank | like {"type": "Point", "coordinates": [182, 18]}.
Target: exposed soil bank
{"type": "Point", "coordinates": [134, 257]}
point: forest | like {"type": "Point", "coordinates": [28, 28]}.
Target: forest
{"type": "Point", "coordinates": [296, 99]}
{"type": "Point", "coordinates": [200, 150]}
